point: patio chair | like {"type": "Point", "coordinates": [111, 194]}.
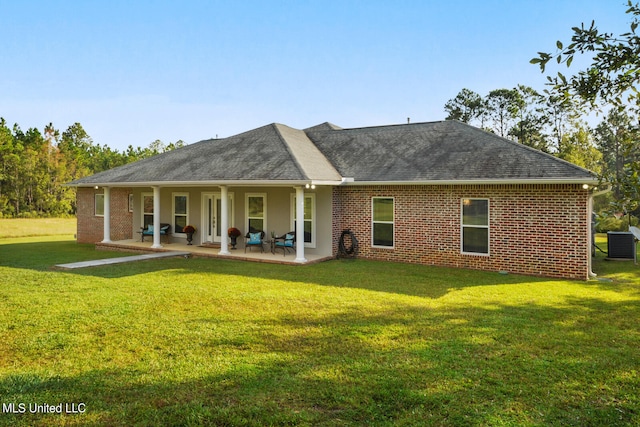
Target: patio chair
{"type": "Point", "coordinates": [164, 231]}
{"type": "Point", "coordinates": [253, 240]}
{"type": "Point", "coordinates": [286, 242]}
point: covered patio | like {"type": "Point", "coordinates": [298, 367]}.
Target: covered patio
{"type": "Point", "coordinates": [213, 251]}
{"type": "Point", "coordinates": [272, 179]}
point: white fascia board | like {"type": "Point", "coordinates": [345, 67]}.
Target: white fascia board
{"type": "Point", "coordinates": [593, 181]}
{"type": "Point", "coordinates": [324, 182]}
{"type": "Point", "coordinates": [235, 183]}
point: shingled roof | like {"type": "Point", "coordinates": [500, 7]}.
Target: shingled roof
{"type": "Point", "coordinates": [445, 151]}
{"type": "Point", "coordinates": [272, 154]}
{"type": "Point", "coordinates": [436, 152]}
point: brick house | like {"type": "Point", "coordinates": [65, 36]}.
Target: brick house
{"type": "Point", "coordinates": [440, 193]}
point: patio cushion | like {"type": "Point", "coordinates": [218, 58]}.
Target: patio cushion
{"type": "Point", "coordinates": [164, 230]}
{"type": "Point", "coordinates": [288, 241]}
{"type": "Point", "coordinates": [254, 239]}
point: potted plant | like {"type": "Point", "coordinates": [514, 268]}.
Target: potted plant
{"type": "Point", "coordinates": [233, 234]}
{"type": "Point", "coordinates": [189, 230]}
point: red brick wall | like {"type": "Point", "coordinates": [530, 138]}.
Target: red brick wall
{"type": "Point", "coordinates": [90, 226]}
{"type": "Point", "coordinates": [534, 229]}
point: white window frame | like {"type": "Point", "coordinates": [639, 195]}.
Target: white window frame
{"type": "Point", "coordinates": [393, 223]}
{"type": "Point", "coordinates": [312, 196]}
{"type": "Point", "coordinates": [95, 204]}
{"type": "Point", "coordinates": [142, 212]}
{"type": "Point", "coordinates": [174, 215]}
{"type": "Point", "coordinates": [487, 226]}
{"type": "Point", "coordinates": [264, 210]}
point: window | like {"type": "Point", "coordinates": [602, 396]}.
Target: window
{"type": "Point", "coordinates": [383, 217]}
{"type": "Point", "coordinates": [180, 211]}
{"type": "Point", "coordinates": [99, 205]}
{"type": "Point", "coordinates": [256, 212]}
{"type": "Point", "coordinates": [475, 226]}
{"type": "Point", "coordinates": [147, 209]}
{"type": "Point", "coordinates": [309, 218]}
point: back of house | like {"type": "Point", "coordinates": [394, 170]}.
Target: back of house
{"type": "Point", "coordinates": [439, 193]}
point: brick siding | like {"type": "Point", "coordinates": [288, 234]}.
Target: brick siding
{"type": "Point", "coordinates": [90, 226]}
{"type": "Point", "coordinates": [533, 229]}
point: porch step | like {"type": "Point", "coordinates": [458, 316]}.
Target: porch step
{"type": "Point", "coordinates": [120, 260]}
{"type": "Point", "coordinates": [210, 245]}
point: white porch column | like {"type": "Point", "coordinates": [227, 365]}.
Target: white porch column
{"type": "Point", "coordinates": [300, 225]}
{"type": "Point", "coordinates": [224, 221]}
{"type": "Point", "coordinates": [107, 216]}
{"type": "Point", "coordinates": [156, 218]}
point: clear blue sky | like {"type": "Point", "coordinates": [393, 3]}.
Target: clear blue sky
{"type": "Point", "coordinates": [135, 71]}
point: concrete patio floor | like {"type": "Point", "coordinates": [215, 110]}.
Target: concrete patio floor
{"type": "Point", "coordinates": [254, 255]}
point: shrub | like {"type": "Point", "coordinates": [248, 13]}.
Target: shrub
{"type": "Point", "coordinates": [611, 223]}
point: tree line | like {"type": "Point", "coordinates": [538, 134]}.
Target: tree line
{"type": "Point", "coordinates": [555, 120]}
{"type": "Point", "coordinates": [35, 165]}
{"type": "Point", "coordinates": [557, 125]}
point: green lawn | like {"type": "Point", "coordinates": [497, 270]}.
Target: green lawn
{"type": "Point", "coordinates": [211, 342]}
{"type": "Point", "coordinates": [37, 227]}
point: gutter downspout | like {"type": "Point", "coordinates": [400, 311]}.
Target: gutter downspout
{"type": "Point", "coordinates": [591, 230]}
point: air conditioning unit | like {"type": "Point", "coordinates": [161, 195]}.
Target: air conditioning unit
{"type": "Point", "coordinates": [620, 245]}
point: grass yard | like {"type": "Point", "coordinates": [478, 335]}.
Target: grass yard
{"type": "Point", "coordinates": [37, 227]}
{"type": "Point", "coordinates": [341, 343]}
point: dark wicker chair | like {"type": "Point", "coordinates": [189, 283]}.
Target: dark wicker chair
{"type": "Point", "coordinates": [165, 229]}
{"type": "Point", "coordinates": [286, 242]}
{"type": "Point", "coordinates": [254, 239]}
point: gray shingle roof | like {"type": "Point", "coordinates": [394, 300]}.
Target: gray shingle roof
{"type": "Point", "coordinates": [422, 152]}
{"type": "Point", "coordinates": [437, 151]}
{"type": "Point", "coordinates": [263, 154]}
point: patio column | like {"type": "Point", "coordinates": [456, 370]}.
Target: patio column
{"type": "Point", "coordinates": [156, 218]}
{"type": "Point", "coordinates": [300, 225]}
{"type": "Point", "coordinates": [107, 216]}
{"type": "Point", "coordinates": [224, 221]}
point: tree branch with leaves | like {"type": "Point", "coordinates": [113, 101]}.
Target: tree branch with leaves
{"type": "Point", "coordinates": [614, 73]}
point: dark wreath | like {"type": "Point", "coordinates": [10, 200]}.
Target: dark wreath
{"type": "Point", "coordinates": [348, 245]}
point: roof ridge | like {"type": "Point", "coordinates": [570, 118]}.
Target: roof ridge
{"type": "Point", "coordinates": [288, 148]}
{"type": "Point", "coordinates": [308, 157]}
{"type": "Point", "coordinates": [322, 126]}
{"type": "Point", "coordinates": [395, 125]}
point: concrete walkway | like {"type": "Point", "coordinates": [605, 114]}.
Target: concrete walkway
{"type": "Point", "coordinates": [120, 260]}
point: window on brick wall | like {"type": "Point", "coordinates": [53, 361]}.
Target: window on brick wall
{"type": "Point", "coordinates": [99, 205]}
{"type": "Point", "coordinates": [474, 220]}
{"type": "Point", "coordinates": [382, 222]}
